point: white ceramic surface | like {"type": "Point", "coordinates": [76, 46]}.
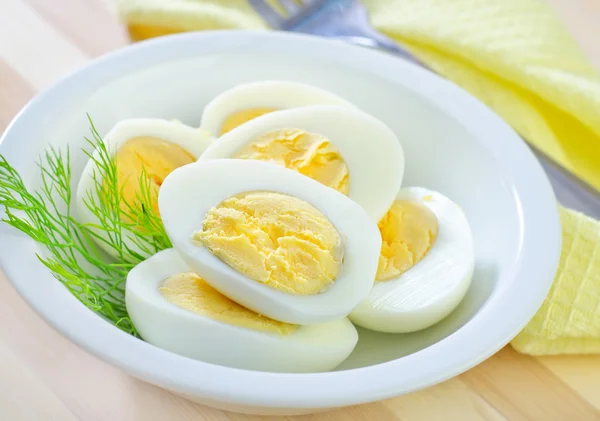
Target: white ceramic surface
{"type": "Point", "coordinates": [452, 144]}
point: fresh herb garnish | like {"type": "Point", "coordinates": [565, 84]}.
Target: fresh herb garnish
{"type": "Point", "coordinates": [132, 230]}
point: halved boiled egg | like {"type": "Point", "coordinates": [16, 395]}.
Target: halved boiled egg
{"type": "Point", "coordinates": [278, 243]}
{"type": "Point", "coordinates": [342, 148]}
{"type": "Point", "coordinates": [244, 102]}
{"type": "Point", "coordinates": [425, 266]}
{"type": "Point", "coordinates": [145, 151]}
{"type": "Point", "coordinates": [175, 309]}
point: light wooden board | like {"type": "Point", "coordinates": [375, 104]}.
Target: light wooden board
{"type": "Point", "coordinates": [45, 377]}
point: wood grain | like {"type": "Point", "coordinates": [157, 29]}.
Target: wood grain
{"type": "Point", "coordinates": [14, 94]}
{"type": "Point", "coordinates": [45, 377]}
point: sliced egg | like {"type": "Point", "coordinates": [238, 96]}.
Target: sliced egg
{"type": "Point", "coordinates": [342, 148]}
{"type": "Point", "coordinates": [151, 148]}
{"type": "Point", "coordinates": [176, 310]}
{"type": "Point", "coordinates": [244, 102]}
{"type": "Point", "coordinates": [278, 243]}
{"type": "Point", "coordinates": [425, 266]}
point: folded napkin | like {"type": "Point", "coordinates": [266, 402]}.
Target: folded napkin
{"type": "Point", "coordinates": [515, 56]}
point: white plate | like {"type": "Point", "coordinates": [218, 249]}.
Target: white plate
{"type": "Point", "coordinates": [452, 142]}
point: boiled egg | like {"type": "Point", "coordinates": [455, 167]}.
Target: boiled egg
{"type": "Point", "coordinates": [148, 148]}
{"type": "Point", "coordinates": [425, 265]}
{"type": "Point", "coordinates": [273, 240]}
{"type": "Point", "coordinates": [177, 310]}
{"type": "Point", "coordinates": [246, 101]}
{"type": "Point", "coordinates": [343, 148]}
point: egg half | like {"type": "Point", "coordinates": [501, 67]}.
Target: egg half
{"type": "Point", "coordinates": [148, 148]}
{"type": "Point", "coordinates": [176, 310]}
{"type": "Point", "coordinates": [342, 148]}
{"type": "Point", "coordinates": [244, 102]}
{"type": "Point", "coordinates": [278, 243]}
{"type": "Point", "coordinates": [425, 266]}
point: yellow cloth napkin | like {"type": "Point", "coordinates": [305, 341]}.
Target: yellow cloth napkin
{"type": "Point", "coordinates": [515, 56]}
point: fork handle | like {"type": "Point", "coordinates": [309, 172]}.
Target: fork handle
{"type": "Point", "coordinates": [368, 37]}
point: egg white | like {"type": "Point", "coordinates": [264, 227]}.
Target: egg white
{"type": "Point", "coordinates": [429, 291]}
{"type": "Point", "coordinates": [372, 152]}
{"type": "Point", "coordinates": [193, 140]}
{"type": "Point", "coordinates": [189, 192]}
{"type": "Point", "coordinates": [264, 94]}
{"type": "Point", "coordinates": [308, 349]}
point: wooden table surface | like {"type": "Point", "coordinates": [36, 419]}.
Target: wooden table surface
{"type": "Point", "coordinates": [43, 377]}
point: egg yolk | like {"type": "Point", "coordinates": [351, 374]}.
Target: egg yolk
{"type": "Point", "coordinates": [149, 156]}
{"type": "Point", "coordinates": [408, 231]}
{"type": "Point", "coordinates": [276, 239]}
{"type": "Point", "coordinates": [139, 32]}
{"type": "Point", "coordinates": [310, 154]}
{"type": "Point", "coordinates": [189, 291]}
{"type": "Point", "coordinates": [240, 117]}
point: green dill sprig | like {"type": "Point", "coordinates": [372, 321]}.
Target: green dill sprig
{"type": "Point", "coordinates": [131, 230]}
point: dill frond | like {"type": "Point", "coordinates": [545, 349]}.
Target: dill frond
{"type": "Point", "coordinates": [71, 248]}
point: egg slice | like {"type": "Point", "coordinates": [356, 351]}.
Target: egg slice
{"type": "Point", "coordinates": [425, 265]}
{"type": "Point", "coordinates": [278, 243]}
{"type": "Point", "coordinates": [176, 310]}
{"type": "Point", "coordinates": [244, 102]}
{"type": "Point", "coordinates": [141, 147]}
{"type": "Point", "coordinates": [342, 148]}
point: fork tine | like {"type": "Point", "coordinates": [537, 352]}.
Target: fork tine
{"type": "Point", "coordinates": [290, 6]}
{"type": "Point", "coordinates": [268, 13]}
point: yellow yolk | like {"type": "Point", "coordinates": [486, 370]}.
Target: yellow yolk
{"type": "Point", "coordinates": [308, 153]}
{"type": "Point", "coordinates": [240, 117]}
{"type": "Point", "coordinates": [189, 291]}
{"type": "Point", "coordinates": [408, 231]}
{"type": "Point", "coordinates": [139, 32]}
{"type": "Point", "coordinates": [275, 239]}
{"type": "Point", "coordinates": [153, 157]}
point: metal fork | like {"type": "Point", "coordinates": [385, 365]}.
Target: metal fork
{"type": "Point", "coordinates": [348, 20]}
